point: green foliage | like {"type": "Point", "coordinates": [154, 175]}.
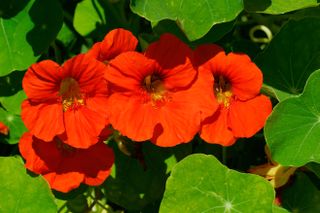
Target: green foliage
{"type": "Point", "coordinates": [200, 183]}
{"type": "Point", "coordinates": [27, 30]}
{"type": "Point", "coordinates": [293, 129]}
{"type": "Point", "coordinates": [291, 57]}
{"type": "Point", "coordinates": [15, 124]}
{"type": "Point", "coordinates": [194, 17]}
{"type": "Point", "coordinates": [302, 197]}
{"type": "Point", "coordinates": [20, 192]}
{"type": "Point", "coordinates": [88, 15]}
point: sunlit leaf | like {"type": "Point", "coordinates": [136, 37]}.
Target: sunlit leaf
{"type": "Point", "coordinates": [20, 192]}
{"type": "Point", "coordinates": [15, 124]}
{"type": "Point", "coordinates": [200, 183]}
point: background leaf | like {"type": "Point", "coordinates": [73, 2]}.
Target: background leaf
{"type": "Point", "coordinates": [302, 196]}
{"type": "Point", "coordinates": [293, 130]}
{"type": "Point", "coordinates": [26, 31]}
{"type": "Point", "coordinates": [194, 17]}
{"type": "Point", "coordinates": [293, 54]}
{"type": "Point", "coordinates": [15, 124]}
{"type": "Point", "coordinates": [200, 183]}
{"type": "Point", "coordinates": [20, 192]}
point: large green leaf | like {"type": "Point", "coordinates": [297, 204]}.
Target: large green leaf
{"type": "Point", "coordinates": [15, 124]}
{"type": "Point", "coordinates": [88, 14]}
{"type": "Point", "coordinates": [301, 197]}
{"type": "Point", "coordinates": [134, 184]}
{"type": "Point", "coordinates": [291, 57]}
{"type": "Point", "coordinates": [293, 129]}
{"type": "Point", "coordinates": [278, 6]}
{"type": "Point", "coordinates": [20, 192]}
{"type": "Point", "coordinates": [200, 183]}
{"type": "Point", "coordinates": [194, 17]}
{"type": "Point", "coordinates": [26, 32]}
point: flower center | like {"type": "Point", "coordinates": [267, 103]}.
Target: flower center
{"type": "Point", "coordinates": [70, 93]}
{"type": "Point", "coordinates": [222, 90]}
{"type": "Point", "coordinates": [154, 86]}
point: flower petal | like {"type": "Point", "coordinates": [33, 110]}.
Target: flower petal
{"type": "Point", "coordinates": [247, 117]}
{"type": "Point", "coordinates": [179, 120]}
{"type": "Point", "coordinates": [87, 71]}
{"type": "Point", "coordinates": [215, 130]}
{"type": "Point", "coordinates": [44, 120]}
{"type": "Point", "coordinates": [204, 53]}
{"type": "Point", "coordinates": [132, 117]}
{"type": "Point", "coordinates": [83, 127]}
{"type": "Point", "coordinates": [115, 42]}
{"type": "Point", "coordinates": [41, 81]}
{"type": "Point", "coordinates": [64, 182]}
{"type": "Point", "coordinates": [129, 69]}
{"type": "Point", "coordinates": [174, 58]}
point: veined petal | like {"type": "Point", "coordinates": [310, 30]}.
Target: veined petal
{"type": "Point", "coordinates": [174, 58]}
{"type": "Point", "coordinates": [215, 130]}
{"type": "Point", "coordinates": [83, 127]}
{"type": "Point", "coordinates": [245, 77]}
{"type": "Point", "coordinates": [115, 42]}
{"type": "Point", "coordinates": [41, 81]}
{"type": "Point", "coordinates": [129, 69]}
{"type": "Point", "coordinates": [87, 71]}
{"type": "Point", "coordinates": [44, 120]}
{"type": "Point", "coordinates": [247, 117]}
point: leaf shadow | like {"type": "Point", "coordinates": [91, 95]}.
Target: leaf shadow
{"type": "Point", "coordinates": [10, 8]}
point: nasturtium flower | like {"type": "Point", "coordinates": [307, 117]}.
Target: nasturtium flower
{"type": "Point", "coordinates": [236, 82]}
{"type": "Point", "coordinates": [66, 167]}
{"type": "Point", "coordinates": [69, 101]}
{"type": "Point", "coordinates": [3, 129]}
{"type": "Point", "coordinates": [156, 95]}
{"type": "Point", "coordinates": [115, 42]}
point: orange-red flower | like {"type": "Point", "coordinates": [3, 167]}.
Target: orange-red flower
{"type": "Point", "coordinates": [65, 167]}
{"type": "Point", "coordinates": [156, 95]}
{"type": "Point", "coordinates": [115, 42]}
{"type": "Point", "coordinates": [3, 129]}
{"type": "Point", "coordinates": [236, 82]}
{"type": "Point", "coordinates": [69, 101]}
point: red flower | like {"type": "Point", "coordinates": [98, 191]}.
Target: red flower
{"type": "Point", "coordinates": [65, 167]}
{"type": "Point", "coordinates": [115, 42]}
{"type": "Point", "coordinates": [4, 129]}
{"type": "Point", "coordinates": [155, 95]}
{"type": "Point", "coordinates": [69, 101]}
{"type": "Point", "coordinates": [236, 82]}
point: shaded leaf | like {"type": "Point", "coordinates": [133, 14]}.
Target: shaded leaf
{"type": "Point", "coordinates": [293, 54]}
{"type": "Point", "coordinates": [26, 35]}
{"type": "Point", "coordinates": [200, 183]}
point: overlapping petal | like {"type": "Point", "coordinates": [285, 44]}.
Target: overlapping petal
{"type": "Point", "coordinates": [64, 167]}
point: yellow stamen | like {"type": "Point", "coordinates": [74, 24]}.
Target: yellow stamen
{"type": "Point", "coordinates": [154, 86]}
{"type": "Point", "coordinates": [70, 93]}
{"type": "Point", "coordinates": [222, 90]}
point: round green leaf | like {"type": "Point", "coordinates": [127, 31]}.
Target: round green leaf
{"type": "Point", "coordinates": [194, 17]}
{"type": "Point", "coordinates": [293, 54]}
{"type": "Point", "coordinates": [301, 197]}
{"type": "Point", "coordinates": [88, 15]}
{"type": "Point", "coordinates": [27, 33]}
{"type": "Point", "coordinates": [15, 124]}
{"type": "Point", "coordinates": [200, 183]}
{"type": "Point", "coordinates": [20, 192]}
{"type": "Point", "coordinates": [293, 129]}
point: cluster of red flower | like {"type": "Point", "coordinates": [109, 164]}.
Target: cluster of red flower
{"type": "Point", "coordinates": [167, 94]}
